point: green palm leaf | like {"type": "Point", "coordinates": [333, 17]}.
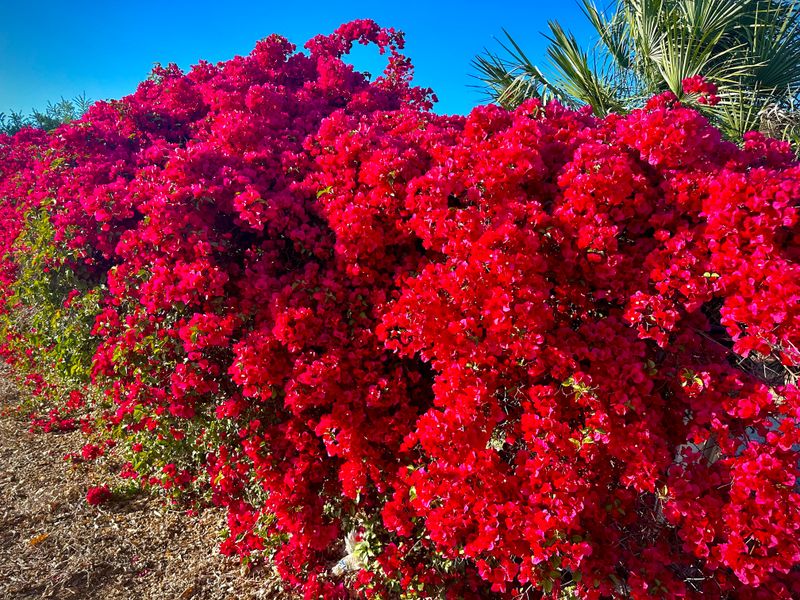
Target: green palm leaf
{"type": "Point", "coordinates": [749, 48]}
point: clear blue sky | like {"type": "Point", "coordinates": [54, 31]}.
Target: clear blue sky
{"type": "Point", "coordinates": [104, 48]}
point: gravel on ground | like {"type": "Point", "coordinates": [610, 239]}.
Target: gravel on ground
{"type": "Point", "coordinates": [54, 545]}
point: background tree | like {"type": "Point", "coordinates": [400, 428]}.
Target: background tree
{"type": "Point", "coordinates": [750, 49]}
{"type": "Point", "coordinates": [51, 117]}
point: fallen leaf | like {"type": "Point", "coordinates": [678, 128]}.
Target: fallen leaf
{"type": "Point", "coordinates": [38, 539]}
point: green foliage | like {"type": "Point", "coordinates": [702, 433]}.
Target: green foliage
{"type": "Point", "coordinates": [749, 48]}
{"type": "Point", "coordinates": [52, 311]}
{"type": "Point", "coordinates": [52, 307]}
{"type": "Point", "coordinates": [50, 118]}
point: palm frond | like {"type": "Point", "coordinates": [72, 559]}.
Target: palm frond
{"type": "Point", "coordinates": [738, 111]}
{"type": "Point", "coordinates": [511, 81]}
{"type": "Point", "coordinates": [772, 35]}
{"type": "Point", "coordinates": [576, 76]}
{"type": "Point", "coordinates": [613, 36]}
{"type": "Point", "coordinates": [749, 48]}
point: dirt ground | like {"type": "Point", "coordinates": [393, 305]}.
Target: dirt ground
{"type": "Point", "coordinates": [54, 545]}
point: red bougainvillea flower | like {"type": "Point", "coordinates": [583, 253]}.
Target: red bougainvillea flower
{"type": "Point", "coordinates": [98, 495]}
{"type": "Point", "coordinates": [705, 90]}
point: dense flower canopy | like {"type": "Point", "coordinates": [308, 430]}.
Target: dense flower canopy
{"type": "Point", "coordinates": [518, 352]}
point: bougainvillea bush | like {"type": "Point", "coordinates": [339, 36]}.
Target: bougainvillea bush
{"type": "Point", "coordinates": [514, 354]}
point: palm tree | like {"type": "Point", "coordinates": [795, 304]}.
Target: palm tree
{"type": "Point", "coordinates": [750, 49]}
